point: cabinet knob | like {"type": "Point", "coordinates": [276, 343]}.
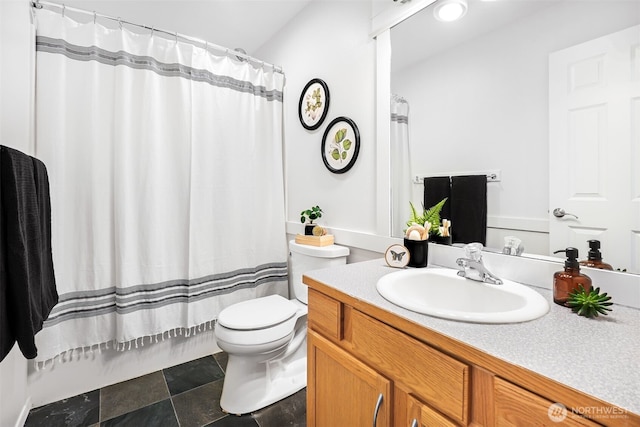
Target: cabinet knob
{"type": "Point", "coordinates": [415, 423]}
{"type": "Point", "coordinates": [375, 412]}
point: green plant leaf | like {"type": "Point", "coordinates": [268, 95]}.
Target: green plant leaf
{"type": "Point", "coordinates": [340, 135]}
{"type": "Point", "coordinates": [346, 144]}
{"type": "Point", "coordinates": [335, 154]}
{"type": "Point", "coordinates": [432, 215]}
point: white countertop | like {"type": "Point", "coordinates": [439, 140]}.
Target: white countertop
{"type": "Point", "coordinates": [598, 356]}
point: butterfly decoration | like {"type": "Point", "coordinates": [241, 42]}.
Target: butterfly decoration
{"type": "Point", "coordinates": [397, 256]}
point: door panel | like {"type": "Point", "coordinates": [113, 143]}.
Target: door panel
{"type": "Point", "coordinates": [594, 124]}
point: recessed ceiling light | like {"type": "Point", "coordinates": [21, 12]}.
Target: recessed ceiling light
{"type": "Point", "coordinates": [450, 10]}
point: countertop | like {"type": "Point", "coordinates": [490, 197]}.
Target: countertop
{"type": "Point", "coordinates": [598, 356]}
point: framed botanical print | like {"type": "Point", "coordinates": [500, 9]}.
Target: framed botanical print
{"type": "Point", "coordinates": [314, 104]}
{"type": "Point", "coordinates": [340, 145]}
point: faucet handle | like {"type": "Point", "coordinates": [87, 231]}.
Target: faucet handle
{"type": "Point", "coordinates": [473, 251]}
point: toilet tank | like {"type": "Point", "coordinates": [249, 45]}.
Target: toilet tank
{"type": "Point", "coordinates": [306, 257]}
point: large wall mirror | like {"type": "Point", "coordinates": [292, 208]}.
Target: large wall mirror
{"type": "Point", "coordinates": [542, 94]}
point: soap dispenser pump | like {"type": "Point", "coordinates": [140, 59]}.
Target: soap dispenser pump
{"type": "Point", "coordinates": [569, 280]}
{"type": "Point", "coordinates": [595, 257]}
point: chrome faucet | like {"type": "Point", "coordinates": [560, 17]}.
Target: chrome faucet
{"type": "Point", "coordinates": [472, 266]}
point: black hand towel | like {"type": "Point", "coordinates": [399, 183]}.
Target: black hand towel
{"type": "Point", "coordinates": [469, 209]}
{"type": "Point", "coordinates": [435, 189]}
{"type": "Point", "coordinates": [7, 339]}
{"type": "Point", "coordinates": [26, 211]}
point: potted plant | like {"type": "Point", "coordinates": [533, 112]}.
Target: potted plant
{"type": "Point", "coordinates": [420, 228]}
{"type": "Point", "coordinates": [310, 215]}
{"type": "Point", "coordinates": [429, 216]}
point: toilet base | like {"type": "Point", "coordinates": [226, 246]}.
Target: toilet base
{"type": "Point", "coordinates": [254, 382]}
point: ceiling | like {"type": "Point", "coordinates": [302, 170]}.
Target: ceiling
{"type": "Point", "coordinates": [421, 35]}
{"type": "Point", "coordinates": [245, 24]}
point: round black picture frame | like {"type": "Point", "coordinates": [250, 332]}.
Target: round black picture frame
{"type": "Point", "coordinates": [340, 145]}
{"type": "Point", "coordinates": [314, 96]}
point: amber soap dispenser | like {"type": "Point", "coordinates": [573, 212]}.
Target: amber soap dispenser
{"type": "Point", "coordinates": [569, 280]}
{"type": "Point", "coordinates": [595, 257]}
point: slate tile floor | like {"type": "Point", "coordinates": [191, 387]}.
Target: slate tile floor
{"type": "Point", "coordinates": [186, 395]}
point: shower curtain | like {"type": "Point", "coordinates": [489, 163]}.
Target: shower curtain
{"type": "Point", "coordinates": [167, 194]}
{"type": "Point", "coordinates": [400, 165]}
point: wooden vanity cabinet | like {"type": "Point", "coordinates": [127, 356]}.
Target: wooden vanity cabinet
{"type": "Point", "coordinates": [362, 369]}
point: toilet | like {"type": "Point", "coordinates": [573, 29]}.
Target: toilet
{"type": "Point", "coordinates": [266, 338]}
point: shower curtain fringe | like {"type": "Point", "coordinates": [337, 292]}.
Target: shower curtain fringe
{"type": "Point", "coordinates": [85, 352]}
{"type": "Point", "coordinates": [38, 4]}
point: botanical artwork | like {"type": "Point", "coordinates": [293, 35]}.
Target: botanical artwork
{"type": "Point", "coordinates": [340, 145]}
{"type": "Point", "coordinates": [314, 104]}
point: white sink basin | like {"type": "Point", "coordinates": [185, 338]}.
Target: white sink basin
{"type": "Point", "coordinates": [440, 292]}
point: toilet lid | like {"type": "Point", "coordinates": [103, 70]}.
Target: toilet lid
{"type": "Point", "coordinates": [257, 313]}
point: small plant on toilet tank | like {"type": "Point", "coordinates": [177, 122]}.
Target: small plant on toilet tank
{"type": "Point", "coordinates": [310, 215]}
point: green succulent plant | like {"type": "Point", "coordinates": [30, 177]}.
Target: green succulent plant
{"type": "Point", "coordinates": [589, 304]}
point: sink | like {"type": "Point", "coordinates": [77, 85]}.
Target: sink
{"type": "Point", "coordinates": [440, 292]}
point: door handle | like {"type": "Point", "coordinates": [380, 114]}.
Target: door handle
{"type": "Point", "coordinates": [375, 412]}
{"type": "Point", "coordinates": [559, 213]}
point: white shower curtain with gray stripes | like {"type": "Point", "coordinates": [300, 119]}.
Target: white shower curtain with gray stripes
{"type": "Point", "coordinates": [165, 166]}
{"type": "Point", "coordinates": [401, 187]}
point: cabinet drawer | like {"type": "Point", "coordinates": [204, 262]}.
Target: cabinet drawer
{"type": "Point", "coordinates": [515, 406]}
{"type": "Point", "coordinates": [325, 315]}
{"type": "Point", "coordinates": [437, 379]}
{"type": "Point", "coordinates": [420, 415]}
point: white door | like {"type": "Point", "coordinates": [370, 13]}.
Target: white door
{"type": "Point", "coordinates": [594, 137]}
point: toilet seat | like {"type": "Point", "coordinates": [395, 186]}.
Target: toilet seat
{"type": "Point", "coordinates": [239, 324]}
{"type": "Point", "coordinates": [258, 313]}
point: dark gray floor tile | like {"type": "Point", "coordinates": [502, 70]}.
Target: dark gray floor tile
{"type": "Point", "coordinates": [222, 358]}
{"type": "Point", "coordinates": [130, 395]}
{"type": "Point", "coordinates": [291, 411]}
{"type": "Point", "coordinates": [192, 374]}
{"type": "Point", "coordinates": [235, 421]}
{"type": "Point", "coordinates": [82, 410]}
{"type": "Point", "coordinates": [159, 414]}
{"type": "Point", "coordinates": [199, 406]}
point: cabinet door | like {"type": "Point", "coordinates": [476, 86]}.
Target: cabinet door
{"type": "Point", "coordinates": [516, 407]}
{"type": "Point", "coordinates": [342, 391]}
{"type": "Point", "coordinates": [421, 415]}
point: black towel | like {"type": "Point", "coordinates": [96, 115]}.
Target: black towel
{"type": "Point", "coordinates": [7, 339]}
{"type": "Point", "coordinates": [26, 211]}
{"type": "Point", "coordinates": [469, 209]}
{"type": "Point", "coordinates": [435, 189]}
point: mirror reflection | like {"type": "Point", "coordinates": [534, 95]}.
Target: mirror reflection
{"type": "Point", "coordinates": [541, 95]}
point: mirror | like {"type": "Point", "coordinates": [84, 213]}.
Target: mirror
{"type": "Point", "coordinates": [479, 96]}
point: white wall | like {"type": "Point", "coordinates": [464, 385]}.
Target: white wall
{"type": "Point", "coordinates": [15, 131]}
{"type": "Point", "coordinates": [484, 106]}
{"type": "Point", "coordinates": [329, 40]}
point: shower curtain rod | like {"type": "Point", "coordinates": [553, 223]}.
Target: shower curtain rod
{"type": "Point", "coordinates": [40, 4]}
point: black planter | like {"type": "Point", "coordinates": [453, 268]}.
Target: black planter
{"type": "Point", "coordinates": [418, 252]}
{"type": "Point", "coordinates": [308, 229]}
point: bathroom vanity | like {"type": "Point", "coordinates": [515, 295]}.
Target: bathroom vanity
{"type": "Point", "coordinates": [371, 362]}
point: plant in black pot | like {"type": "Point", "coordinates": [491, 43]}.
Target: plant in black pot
{"type": "Point", "coordinates": [420, 229]}
{"type": "Point", "coordinates": [308, 216]}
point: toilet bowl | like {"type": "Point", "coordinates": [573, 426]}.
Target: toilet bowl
{"type": "Point", "coordinates": [265, 338]}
